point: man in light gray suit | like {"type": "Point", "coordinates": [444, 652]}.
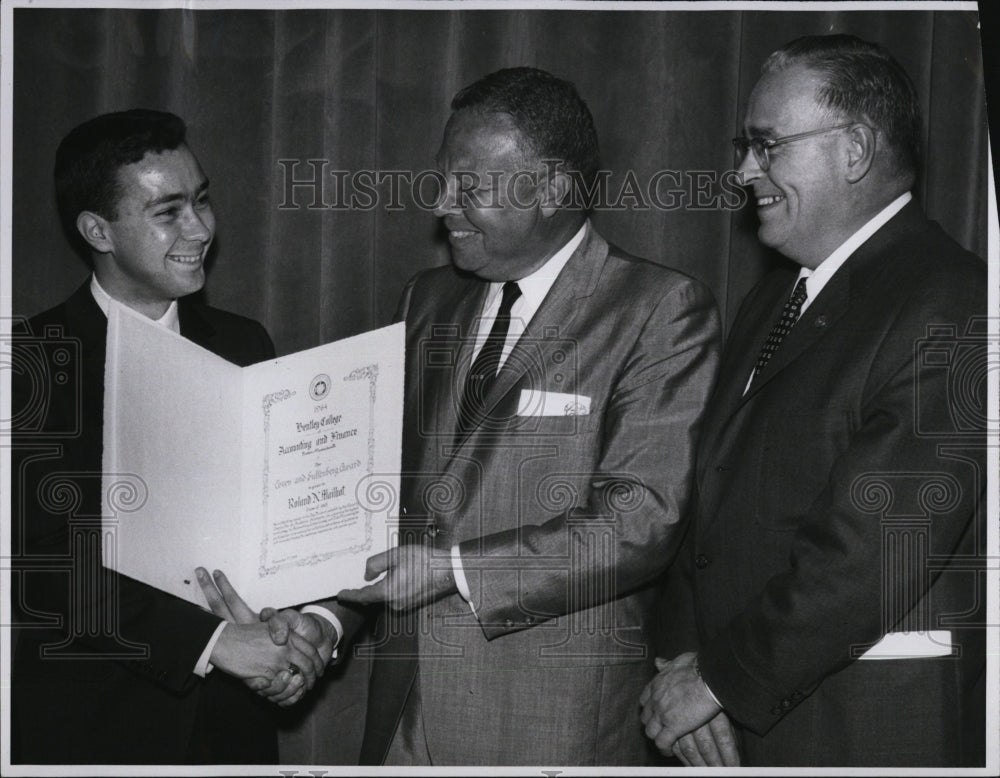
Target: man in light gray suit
{"type": "Point", "coordinates": [555, 386]}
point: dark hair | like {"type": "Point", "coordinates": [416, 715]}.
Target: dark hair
{"type": "Point", "coordinates": [865, 83]}
{"type": "Point", "coordinates": [88, 159]}
{"type": "Point", "coordinates": [546, 110]}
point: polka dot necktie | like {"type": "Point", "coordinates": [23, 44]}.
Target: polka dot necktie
{"type": "Point", "coordinates": [789, 315]}
{"type": "Point", "coordinates": [484, 368]}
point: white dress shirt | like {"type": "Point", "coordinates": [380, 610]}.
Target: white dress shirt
{"type": "Point", "coordinates": [819, 277]}
{"type": "Point", "coordinates": [533, 288]}
{"type": "Point", "coordinates": [169, 319]}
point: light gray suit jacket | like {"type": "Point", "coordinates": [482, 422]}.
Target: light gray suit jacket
{"type": "Point", "coordinates": [565, 515]}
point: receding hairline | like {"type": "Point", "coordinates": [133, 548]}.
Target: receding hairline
{"type": "Point", "coordinates": [500, 120]}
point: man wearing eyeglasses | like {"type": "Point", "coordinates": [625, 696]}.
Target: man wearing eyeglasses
{"type": "Point", "coordinates": [833, 569]}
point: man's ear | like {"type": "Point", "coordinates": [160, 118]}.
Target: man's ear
{"type": "Point", "coordinates": [94, 229]}
{"type": "Point", "coordinates": [556, 191]}
{"type": "Point", "coordinates": [861, 141]}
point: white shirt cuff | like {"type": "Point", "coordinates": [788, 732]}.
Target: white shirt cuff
{"type": "Point", "coordinates": [708, 689]}
{"type": "Point", "coordinates": [711, 693]}
{"type": "Point", "coordinates": [460, 581]}
{"type": "Point", "coordinates": [204, 667]}
{"type": "Point", "coordinates": [325, 613]}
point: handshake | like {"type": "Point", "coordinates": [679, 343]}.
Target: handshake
{"type": "Point", "coordinates": [278, 654]}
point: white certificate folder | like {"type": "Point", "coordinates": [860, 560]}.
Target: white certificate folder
{"type": "Point", "coordinates": [284, 474]}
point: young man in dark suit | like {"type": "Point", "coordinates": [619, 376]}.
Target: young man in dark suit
{"type": "Point", "coordinates": [108, 670]}
{"type": "Point", "coordinates": [836, 554]}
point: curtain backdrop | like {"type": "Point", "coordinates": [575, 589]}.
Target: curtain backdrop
{"type": "Point", "coordinates": [367, 90]}
{"type": "Point", "coordinates": [264, 92]}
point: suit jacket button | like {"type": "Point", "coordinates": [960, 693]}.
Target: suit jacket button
{"type": "Point", "coordinates": [821, 321]}
{"type": "Point", "coordinates": [508, 623]}
{"type": "Point", "coordinates": [776, 711]}
{"type": "Point", "coordinates": [721, 469]}
{"type": "Point", "coordinates": [701, 561]}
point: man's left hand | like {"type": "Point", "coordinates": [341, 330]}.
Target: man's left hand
{"type": "Point", "coordinates": [414, 576]}
{"type": "Point", "coordinates": [676, 702]}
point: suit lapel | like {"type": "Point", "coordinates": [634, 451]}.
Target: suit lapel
{"type": "Point", "coordinates": [821, 316]}
{"type": "Point", "coordinates": [86, 321]}
{"type": "Point", "coordinates": [551, 322]}
{"type": "Point", "coordinates": [749, 332]}
{"type": "Point", "coordinates": [832, 302]}
{"type": "Point", "coordinates": [194, 326]}
{"type": "Point", "coordinates": [439, 399]}
{"type": "Point", "coordinates": [819, 319]}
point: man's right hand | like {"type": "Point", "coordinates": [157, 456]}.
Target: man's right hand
{"type": "Point", "coordinates": [247, 651]}
{"type": "Point", "coordinates": [287, 685]}
{"type": "Point", "coordinates": [711, 745]}
{"type": "Point", "coordinates": [300, 626]}
{"type": "Point", "coordinates": [314, 629]}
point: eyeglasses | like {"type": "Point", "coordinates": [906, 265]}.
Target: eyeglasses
{"type": "Point", "coordinates": [760, 146]}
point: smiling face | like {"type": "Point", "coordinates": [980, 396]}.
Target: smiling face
{"type": "Point", "coordinates": [154, 250]}
{"type": "Point", "coordinates": [491, 209]}
{"type": "Point", "coordinates": [803, 199]}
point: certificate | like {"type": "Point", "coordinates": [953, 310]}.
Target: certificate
{"type": "Point", "coordinates": [284, 474]}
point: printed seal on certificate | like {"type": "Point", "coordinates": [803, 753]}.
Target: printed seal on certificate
{"type": "Point", "coordinates": [285, 474]}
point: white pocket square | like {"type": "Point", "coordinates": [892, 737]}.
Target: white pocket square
{"type": "Point", "coordinates": [534, 402]}
{"type": "Point", "coordinates": [911, 645]}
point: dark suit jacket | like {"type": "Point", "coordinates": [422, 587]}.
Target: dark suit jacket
{"type": "Point", "coordinates": [564, 520]}
{"type": "Point", "coordinates": [837, 502]}
{"type": "Point", "coordinates": [103, 667]}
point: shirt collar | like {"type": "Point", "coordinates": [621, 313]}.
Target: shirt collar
{"type": "Point", "coordinates": [535, 286]}
{"type": "Point", "coordinates": [816, 279]}
{"type": "Point", "coordinates": [169, 319]}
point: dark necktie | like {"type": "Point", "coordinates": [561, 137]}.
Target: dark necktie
{"type": "Point", "coordinates": [789, 315]}
{"type": "Point", "coordinates": [484, 368]}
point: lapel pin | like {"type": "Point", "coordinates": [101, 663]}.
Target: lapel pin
{"type": "Point", "coordinates": [820, 321]}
